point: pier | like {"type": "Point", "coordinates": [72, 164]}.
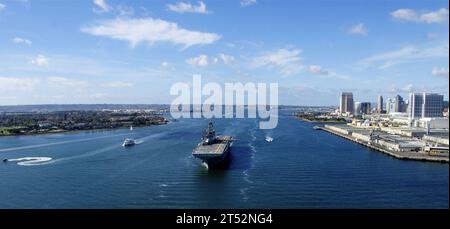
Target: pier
{"type": "Point", "coordinates": [404, 155]}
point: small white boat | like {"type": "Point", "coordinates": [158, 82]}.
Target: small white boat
{"type": "Point", "coordinates": [269, 139]}
{"type": "Point", "coordinates": [129, 142]}
{"type": "Point", "coordinates": [131, 128]}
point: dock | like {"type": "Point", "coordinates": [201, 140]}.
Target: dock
{"type": "Point", "coordinates": [404, 155]}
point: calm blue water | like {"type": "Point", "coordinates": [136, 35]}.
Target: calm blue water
{"type": "Point", "coordinates": [301, 168]}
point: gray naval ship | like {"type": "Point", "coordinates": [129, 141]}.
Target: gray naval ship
{"type": "Point", "coordinates": [212, 150]}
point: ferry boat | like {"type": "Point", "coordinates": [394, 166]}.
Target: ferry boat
{"type": "Point", "coordinates": [129, 142]}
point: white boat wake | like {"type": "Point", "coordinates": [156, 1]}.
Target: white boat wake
{"type": "Point", "coordinates": [30, 161]}
{"type": "Point", "coordinates": [58, 143]}
{"type": "Point", "coordinates": [149, 137]}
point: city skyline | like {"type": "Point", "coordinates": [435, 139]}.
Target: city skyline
{"type": "Point", "coordinates": [418, 105]}
{"type": "Point", "coordinates": [105, 51]}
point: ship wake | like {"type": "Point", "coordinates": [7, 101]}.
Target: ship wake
{"type": "Point", "coordinates": [57, 143]}
{"type": "Point", "coordinates": [245, 174]}
{"type": "Point", "coordinates": [31, 161]}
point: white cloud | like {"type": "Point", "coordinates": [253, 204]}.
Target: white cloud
{"type": "Point", "coordinates": [443, 72]}
{"type": "Point", "coordinates": [185, 7]}
{"type": "Point", "coordinates": [408, 88]}
{"type": "Point", "coordinates": [405, 15]}
{"type": "Point", "coordinates": [438, 16]}
{"type": "Point", "coordinates": [316, 69]}
{"type": "Point", "coordinates": [164, 64]}
{"type": "Point", "coordinates": [117, 84]}
{"type": "Point", "coordinates": [287, 61]}
{"type": "Point", "coordinates": [359, 29]}
{"type": "Point", "coordinates": [17, 84]}
{"type": "Point", "coordinates": [2, 7]}
{"type": "Point", "coordinates": [40, 60]}
{"type": "Point", "coordinates": [149, 30]}
{"type": "Point", "coordinates": [19, 40]}
{"type": "Point", "coordinates": [167, 67]}
{"type": "Point", "coordinates": [393, 89]}
{"type": "Point", "coordinates": [199, 61]}
{"type": "Point", "coordinates": [204, 60]}
{"type": "Point", "coordinates": [245, 3]}
{"type": "Point", "coordinates": [408, 54]}
{"type": "Point", "coordinates": [227, 59]}
{"type": "Point", "coordinates": [326, 74]}
{"type": "Point", "coordinates": [65, 82]}
{"type": "Point", "coordinates": [433, 35]}
{"type": "Point", "coordinates": [125, 10]}
{"type": "Point", "coordinates": [102, 5]}
{"type": "Point", "coordinates": [231, 45]}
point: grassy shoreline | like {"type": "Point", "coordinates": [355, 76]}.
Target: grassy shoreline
{"type": "Point", "coordinates": [319, 120]}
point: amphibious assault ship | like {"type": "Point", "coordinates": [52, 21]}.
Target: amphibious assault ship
{"type": "Point", "coordinates": [212, 150]}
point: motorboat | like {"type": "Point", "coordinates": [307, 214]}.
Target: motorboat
{"type": "Point", "coordinates": [129, 142]}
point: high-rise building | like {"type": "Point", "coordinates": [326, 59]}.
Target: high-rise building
{"type": "Point", "coordinates": [380, 104]}
{"type": "Point", "coordinates": [389, 106]}
{"type": "Point", "coordinates": [399, 104]}
{"type": "Point", "coordinates": [433, 104]}
{"type": "Point", "coordinates": [425, 105]}
{"type": "Point", "coordinates": [362, 108]}
{"type": "Point", "coordinates": [346, 103]}
{"type": "Point", "coordinates": [365, 108]}
{"type": "Point", "coordinates": [415, 106]}
{"type": "Point", "coordinates": [357, 109]}
{"type": "Point", "coordinates": [405, 106]}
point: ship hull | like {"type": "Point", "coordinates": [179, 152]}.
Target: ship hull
{"type": "Point", "coordinates": [128, 144]}
{"type": "Point", "coordinates": [214, 162]}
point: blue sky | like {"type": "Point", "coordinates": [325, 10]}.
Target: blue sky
{"type": "Point", "coordinates": [112, 51]}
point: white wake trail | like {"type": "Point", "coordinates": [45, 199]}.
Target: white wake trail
{"type": "Point", "coordinates": [57, 143]}
{"type": "Point", "coordinates": [30, 161]}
